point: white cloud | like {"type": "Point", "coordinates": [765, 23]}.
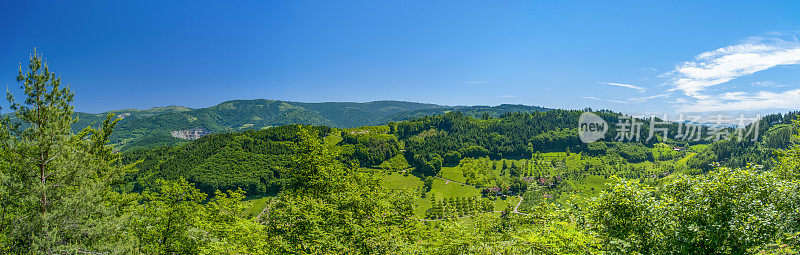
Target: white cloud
{"type": "Point", "coordinates": [648, 98]}
{"type": "Point", "coordinates": [476, 82]}
{"type": "Point", "coordinates": [740, 101]}
{"type": "Point", "coordinates": [606, 100]}
{"type": "Point", "coordinates": [640, 89]}
{"type": "Point", "coordinates": [720, 66]}
{"type": "Point", "coordinates": [771, 84]}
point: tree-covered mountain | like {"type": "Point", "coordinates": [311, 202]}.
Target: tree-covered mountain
{"type": "Point", "coordinates": [250, 160]}
{"type": "Point", "coordinates": [155, 126]}
{"type": "Point", "coordinates": [774, 132]}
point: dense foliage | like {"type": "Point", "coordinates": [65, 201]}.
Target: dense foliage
{"type": "Point", "coordinates": [250, 160]}
{"type": "Point", "coordinates": [430, 140]}
{"type": "Point", "coordinates": [369, 149]}
{"type": "Point", "coordinates": [774, 133]}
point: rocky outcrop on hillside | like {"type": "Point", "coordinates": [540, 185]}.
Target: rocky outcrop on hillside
{"type": "Point", "coordinates": [123, 115]}
{"type": "Point", "coordinates": [190, 134]}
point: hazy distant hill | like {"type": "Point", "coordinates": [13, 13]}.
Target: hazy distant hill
{"type": "Point", "coordinates": [157, 126]}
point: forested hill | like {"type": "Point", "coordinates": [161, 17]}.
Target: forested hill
{"type": "Point", "coordinates": [252, 159]}
{"type": "Point", "coordinates": [474, 111]}
{"type": "Point", "coordinates": [155, 127]}
{"type": "Point", "coordinates": [774, 133]}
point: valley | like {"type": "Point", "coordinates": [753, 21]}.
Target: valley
{"type": "Point", "coordinates": [467, 176]}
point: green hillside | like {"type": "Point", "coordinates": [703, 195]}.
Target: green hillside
{"type": "Point", "coordinates": [153, 127]}
{"type": "Point", "coordinates": [774, 132]}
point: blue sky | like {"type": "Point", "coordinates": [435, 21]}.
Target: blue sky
{"type": "Point", "coordinates": [629, 56]}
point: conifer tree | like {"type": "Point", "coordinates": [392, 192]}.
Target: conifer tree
{"type": "Point", "coordinates": [57, 195]}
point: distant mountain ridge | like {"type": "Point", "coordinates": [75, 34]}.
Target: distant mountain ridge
{"type": "Point", "coordinates": [157, 126]}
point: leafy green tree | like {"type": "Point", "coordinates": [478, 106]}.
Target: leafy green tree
{"type": "Point", "coordinates": [326, 208]}
{"type": "Point", "coordinates": [167, 220]}
{"type": "Point", "coordinates": [227, 231]}
{"type": "Point", "coordinates": [56, 195]}
{"type": "Point", "coordinates": [428, 183]}
{"type": "Point", "coordinates": [518, 185]}
{"type": "Point", "coordinates": [626, 218]}
{"type": "Point", "coordinates": [452, 158]}
{"type": "Point", "coordinates": [475, 152]}
{"type": "Point", "coordinates": [725, 211]}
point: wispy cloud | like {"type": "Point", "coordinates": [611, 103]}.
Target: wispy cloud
{"type": "Point", "coordinates": [768, 84]}
{"type": "Point", "coordinates": [740, 101]}
{"type": "Point", "coordinates": [640, 89]}
{"type": "Point", "coordinates": [648, 98]}
{"type": "Point", "coordinates": [718, 67]}
{"type": "Point", "coordinates": [606, 100]}
{"type": "Point", "coordinates": [476, 82]}
{"type": "Point", "coordinates": [506, 96]}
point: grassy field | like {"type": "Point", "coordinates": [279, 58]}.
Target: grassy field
{"type": "Point", "coordinates": [501, 203]}
{"type": "Point", "coordinates": [255, 206]}
{"type": "Point", "coordinates": [442, 189]}
{"type": "Point", "coordinates": [397, 180]}
{"type": "Point", "coordinates": [332, 139]}
{"type": "Point", "coordinates": [698, 147]}
{"type": "Point", "coordinates": [396, 163]}
{"type": "Point", "coordinates": [567, 175]}
{"type": "Point", "coordinates": [453, 173]}
{"type": "Point", "coordinates": [590, 186]}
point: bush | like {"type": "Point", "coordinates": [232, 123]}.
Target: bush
{"type": "Point", "coordinates": [452, 158]}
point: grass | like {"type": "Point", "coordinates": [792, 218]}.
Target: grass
{"type": "Point", "coordinates": [590, 187]}
{"type": "Point", "coordinates": [698, 147]}
{"type": "Point", "coordinates": [398, 180]}
{"type": "Point", "coordinates": [683, 160]}
{"type": "Point", "coordinates": [452, 189]}
{"type": "Point", "coordinates": [398, 162]}
{"type": "Point", "coordinates": [255, 206]}
{"type": "Point", "coordinates": [501, 203]}
{"type": "Point", "coordinates": [453, 173]}
{"type": "Point", "coordinates": [440, 190]}
{"type": "Point", "coordinates": [332, 139]}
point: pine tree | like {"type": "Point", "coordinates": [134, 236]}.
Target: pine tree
{"type": "Point", "coordinates": [57, 196]}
